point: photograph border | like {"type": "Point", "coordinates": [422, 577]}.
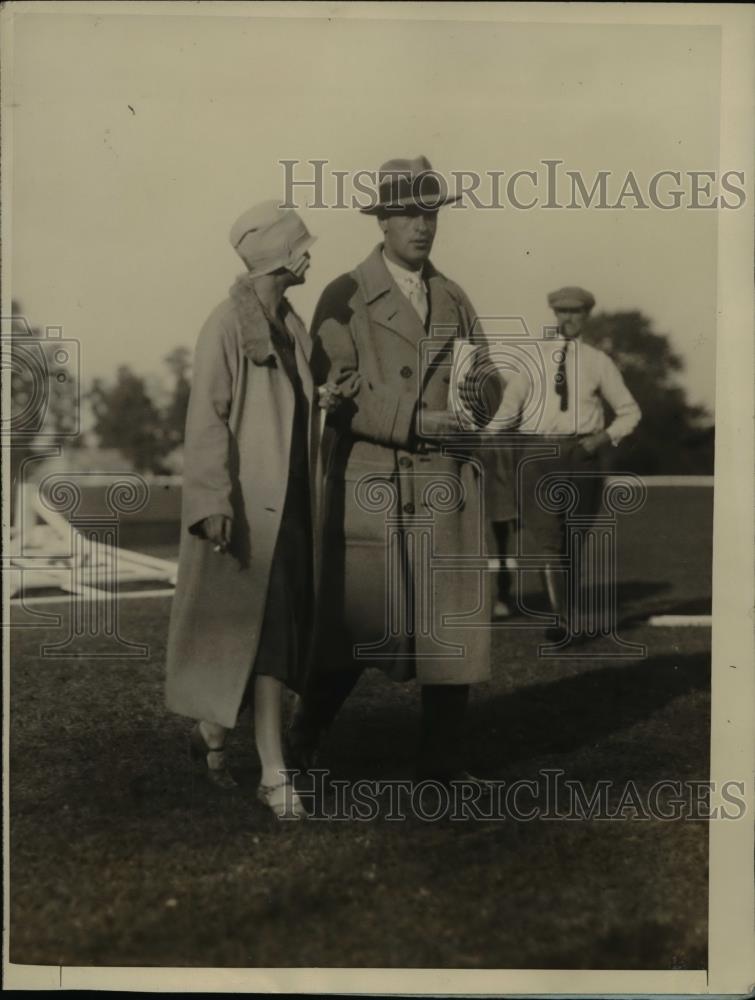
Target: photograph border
{"type": "Point", "coordinates": [731, 969]}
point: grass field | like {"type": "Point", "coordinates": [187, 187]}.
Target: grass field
{"type": "Point", "coordinates": [121, 854]}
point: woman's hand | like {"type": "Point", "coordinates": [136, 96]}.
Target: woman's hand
{"type": "Point", "coordinates": [217, 529]}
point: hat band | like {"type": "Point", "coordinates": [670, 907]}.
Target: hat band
{"type": "Point", "coordinates": [427, 191]}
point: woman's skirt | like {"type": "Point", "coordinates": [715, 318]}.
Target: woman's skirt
{"type": "Point", "coordinates": [284, 646]}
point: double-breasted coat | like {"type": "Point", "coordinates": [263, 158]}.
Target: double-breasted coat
{"type": "Point", "coordinates": [403, 583]}
{"type": "Point", "coordinates": [236, 462]}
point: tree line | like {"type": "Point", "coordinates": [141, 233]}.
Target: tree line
{"type": "Point", "coordinates": [147, 431]}
{"type": "Point", "coordinates": [144, 418]}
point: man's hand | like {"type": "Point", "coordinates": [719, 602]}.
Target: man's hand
{"type": "Point", "coordinates": [434, 424]}
{"type": "Point", "coordinates": [591, 443]}
{"type": "Point", "coordinates": [217, 529]}
{"type": "Point", "coordinates": [331, 395]}
{"type": "Point", "coordinates": [328, 397]}
{"type": "Point", "coordinates": [469, 392]}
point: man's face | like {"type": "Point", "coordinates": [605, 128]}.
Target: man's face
{"type": "Point", "coordinates": [409, 236]}
{"type": "Point", "coordinates": [571, 320]}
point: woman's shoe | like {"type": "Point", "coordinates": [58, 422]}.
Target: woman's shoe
{"type": "Point", "coordinates": [214, 761]}
{"type": "Point", "coordinates": [282, 800]}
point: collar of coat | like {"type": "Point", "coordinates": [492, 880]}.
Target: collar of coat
{"type": "Point", "coordinates": [376, 279]}
{"type": "Point", "coordinates": [389, 305]}
{"type": "Point", "coordinates": [254, 325]}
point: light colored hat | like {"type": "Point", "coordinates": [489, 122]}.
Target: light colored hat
{"type": "Point", "coordinates": [404, 183]}
{"type": "Point", "coordinates": [267, 237]}
{"type": "Point", "coordinates": [571, 297]}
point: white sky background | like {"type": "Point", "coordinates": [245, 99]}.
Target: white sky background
{"type": "Point", "coordinates": [120, 219]}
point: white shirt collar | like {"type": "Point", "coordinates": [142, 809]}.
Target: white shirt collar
{"type": "Point", "coordinates": [560, 339]}
{"type": "Point", "coordinates": [402, 276]}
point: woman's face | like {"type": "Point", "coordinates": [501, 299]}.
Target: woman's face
{"type": "Point", "coordinates": [299, 268]}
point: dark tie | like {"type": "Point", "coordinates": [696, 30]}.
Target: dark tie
{"type": "Point", "coordinates": [561, 385]}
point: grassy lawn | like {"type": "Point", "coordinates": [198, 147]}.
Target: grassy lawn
{"type": "Point", "coordinates": [123, 855]}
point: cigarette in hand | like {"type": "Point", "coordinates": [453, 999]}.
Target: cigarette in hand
{"type": "Point", "coordinates": [217, 548]}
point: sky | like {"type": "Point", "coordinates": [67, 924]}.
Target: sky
{"type": "Point", "coordinates": [137, 140]}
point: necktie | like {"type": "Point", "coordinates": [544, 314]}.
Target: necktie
{"type": "Point", "coordinates": [418, 299]}
{"type": "Point", "coordinates": [561, 385]}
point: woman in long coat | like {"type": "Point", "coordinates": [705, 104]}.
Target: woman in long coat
{"type": "Point", "coordinates": [242, 613]}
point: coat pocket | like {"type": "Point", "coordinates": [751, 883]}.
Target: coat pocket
{"type": "Point", "coordinates": [370, 499]}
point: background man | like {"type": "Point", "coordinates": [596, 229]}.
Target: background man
{"type": "Point", "coordinates": [569, 434]}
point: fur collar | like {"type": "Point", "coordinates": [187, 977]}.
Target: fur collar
{"type": "Point", "coordinates": [253, 323]}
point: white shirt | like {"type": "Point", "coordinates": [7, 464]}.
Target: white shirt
{"type": "Point", "coordinates": [531, 404]}
{"type": "Point", "coordinates": [411, 284]}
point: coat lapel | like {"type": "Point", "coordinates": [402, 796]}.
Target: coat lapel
{"type": "Point", "coordinates": [302, 354]}
{"type": "Point", "coordinates": [254, 327]}
{"type": "Point", "coordinates": [386, 303]}
{"type": "Point", "coordinates": [303, 349]}
{"type": "Point", "coordinates": [256, 336]}
{"type": "Point", "coordinates": [443, 325]}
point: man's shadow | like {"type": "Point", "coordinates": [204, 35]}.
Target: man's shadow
{"type": "Point", "coordinates": [636, 601]}
{"type": "Point", "coordinates": [580, 711]}
{"type": "Point", "coordinates": [375, 734]}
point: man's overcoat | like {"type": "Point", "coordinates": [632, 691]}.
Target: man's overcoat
{"type": "Point", "coordinates": [403, 583]}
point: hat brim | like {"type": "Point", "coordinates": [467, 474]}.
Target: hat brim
{"type": "Point", "coordinates": [307, 243]}
{"type": "Point", "coordinates": [269, 268]}
{"type": "Point", "coordinates": [571, 304]}
{"type": "Point", "coordinates": [397, 205]}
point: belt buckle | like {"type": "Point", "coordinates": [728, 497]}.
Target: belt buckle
{"type": "Point", "coordinates": [427, 448]}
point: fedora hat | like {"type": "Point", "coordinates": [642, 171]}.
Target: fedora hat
{"type": "Point", "coordinates": [409, 184]}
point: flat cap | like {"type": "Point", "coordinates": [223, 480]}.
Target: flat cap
{"type": "Point", "coordinates": [571, 297]}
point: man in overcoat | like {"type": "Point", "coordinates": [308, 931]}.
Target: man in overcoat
{"type": "Point", "coordinates": [403, 586]}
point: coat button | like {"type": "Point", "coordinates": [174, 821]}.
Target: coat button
{"type": "Point", "coordinates": [404, 462]}
{"type": "Point", "coordinates": [406, 372]}
{"type": "Point", "coordinates": [408, 508]}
